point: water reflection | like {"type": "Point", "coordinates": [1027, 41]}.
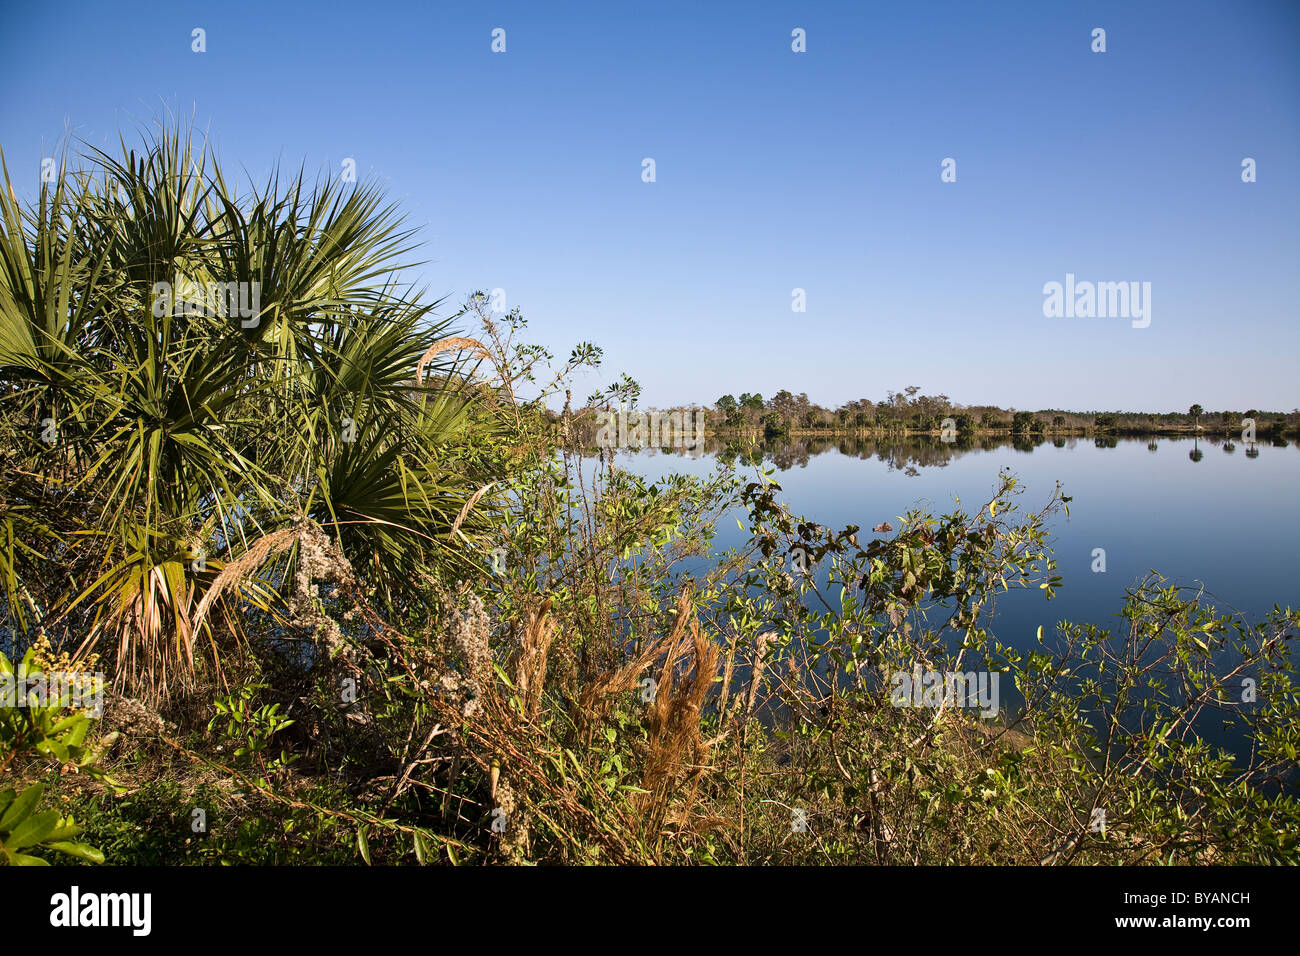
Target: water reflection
{"type": "Point", "coordinates": [911, 453]}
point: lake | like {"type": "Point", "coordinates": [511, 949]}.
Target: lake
{"type": "Point", "coordinates": [1228, 520]}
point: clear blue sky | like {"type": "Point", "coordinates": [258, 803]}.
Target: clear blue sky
{"type": "Point", "coordinates": [775, 170]}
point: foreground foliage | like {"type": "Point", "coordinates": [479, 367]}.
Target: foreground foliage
{"type": "Point", "coordinates": [37, 728]}
{"type": "Point", "coordinates": [188, 378]}
{"type": "Point", "coordinates": [366, 602]}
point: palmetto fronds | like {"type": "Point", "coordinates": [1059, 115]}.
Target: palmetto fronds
{"type": "Point", "coordinates": [184, 371]}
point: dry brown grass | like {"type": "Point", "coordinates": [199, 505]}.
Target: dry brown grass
{"type": "Point", "coordinates": [524, 753]}
{"type": "Point", "coordinates": [678, 755]}
{"type": "Point", "coordinates": [531, 659]}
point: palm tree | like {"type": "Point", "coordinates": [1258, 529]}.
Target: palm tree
{"type": "Point", "coordinates": [191, 382]}
{"type": "Point", "coordinates": [1196, 412]}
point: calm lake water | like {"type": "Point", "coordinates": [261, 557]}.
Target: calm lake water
{"type": "Point", "coordinates": [1227, 521]}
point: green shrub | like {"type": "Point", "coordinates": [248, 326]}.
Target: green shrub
{"type": "Point", "coordinates": [35, 725]}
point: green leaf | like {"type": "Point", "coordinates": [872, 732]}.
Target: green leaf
{"type": "Point", "coordinates": [65, 829]}
{"type": "Point", "coordinates": [33, 830]}
{"type": "Point", "coordinates": [363, 845]}
{"type": "Point", "coordinates": [21, 807]}
{"type": "Point", "coordinates": [80, 850]}
{"type": "Point", "coordinates": [22, 859]}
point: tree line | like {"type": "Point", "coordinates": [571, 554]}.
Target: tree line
{"type": "Point", "coordinates": [912, 411]}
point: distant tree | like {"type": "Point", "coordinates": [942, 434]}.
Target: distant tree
{"type": "Point", "coordinates": [1058, 421]}
{"type": "Point", "coordinates": [1021, 421]}
{"type": "Point", "coordinates": [862, 412]}
{"type": "Point", "coordinates": [773, 425]}
{"type": "Point", "coordinates": [726, 404]}
{"type": "Point", "coordinates": [785, 405]}
{"type": "Point", "coordinates": [895, 403]}
{"type": "Point", "coordinates": [806, 413]}
{"type": "Point", "coordinates": [932, 406]}
{"type": "Point", "coordinates": [754, 401]}
{"type": "Point", "coordinates": [1196, 412]}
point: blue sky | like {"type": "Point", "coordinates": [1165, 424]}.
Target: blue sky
{"type": "Point", "coordinates": [775, 170]}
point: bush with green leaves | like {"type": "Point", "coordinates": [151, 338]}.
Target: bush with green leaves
{"type": "Point", "coordinates": [36, 730]}
{"type": "Point", "coordinates": [249, 728]}
{"type": "Point", "coordinates": [1170, 739]}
